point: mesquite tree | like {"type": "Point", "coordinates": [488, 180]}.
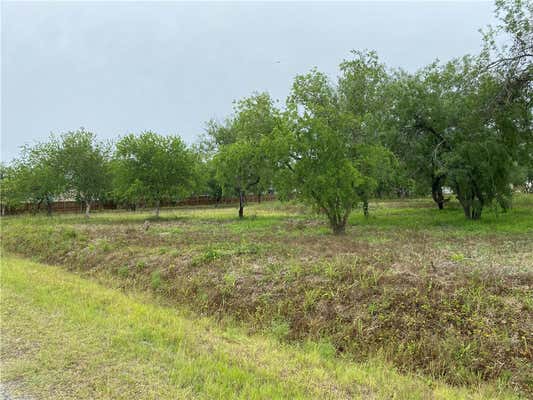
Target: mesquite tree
{"type": "Point", "coordinates": [242, 161]}
{"type": "Point", "coordinates": [424, 109]}
{"type": "Point", "coordinates": [153, 168]}
{"type": "Point", "coordinates": [449, 130]}
{"type": "Point", "coordinates": [37, 175]}
{"type": "Point", "coordinates": [363, 97]}
{"type": "Point", "coordinates": [486, 143]}
{"type": "Point", "coordinates": [316, 152]}
{"type": "Point", "coordinates": [85, 166]}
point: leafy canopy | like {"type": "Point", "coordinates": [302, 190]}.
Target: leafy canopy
{"type": "Point", "coordinates": [152, 167]}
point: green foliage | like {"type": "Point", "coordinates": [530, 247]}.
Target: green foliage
{"type": "Point", "coordinates": [207, 182]}
{"type": "Point", "coordinates": [450, 133]}
{"type": "Point", "coordinates": [280, 329]}
{"type": "Point", "coordinates": [514, 58]}
{"type": "Point", "coordinates": [156, 280]}
{"type": "Point", "coordinates": [11, 194]}
{"type": "Point", "coordinates": [362, 87]}
{"type": "Point", "coordinates": [242, 162]}
{"type": "Point", "coordinates": [85, 164]}
{"type": "Point", "coordinates": [363, 91]}
{"type": "Point", "coordinates": [37, 177]}
{"type": "Point", "coordinates": [316, 151]}
{"type": "Point", "coordinates": [153, 168]}
{"type": "Point", "coordinates": [464, 125]}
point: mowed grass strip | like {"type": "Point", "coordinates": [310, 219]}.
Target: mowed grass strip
{"type": "Point", "coordinates": [69, 338]}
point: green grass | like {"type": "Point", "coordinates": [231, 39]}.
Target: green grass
{"type": "Point", "coordinates": [421, 215]}
{"type": "Point", "coordinates": [427, 290]}
{"type": "Point", "coordinates": [70, 338]}
{"type": "Point", "coordinates": [418, 214]}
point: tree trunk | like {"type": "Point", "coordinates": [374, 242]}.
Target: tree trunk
{"type": "Point", "coordinates": [241, 204]}
{"type": "Point", "coordinates": [476, 212]}
{"type": "Point", "coordinates": [365, 207]}
{"type": "Point", "coordinates": [339, 228]}
{"type": "Point", "coordinates": [338, 223]}
{"type": "Point", "coordinates": [259, 197]}
{"type": "Point", "coordinates": [37, 207]}
{"type": "Point", "coordinates": [477, 208]}
{"type": "Point", "coordinates": [49, 207]}
{"type": "Point", "coordinates": [466, 209]}
{"type": "Point", "coordinates": [472, 206]}
{"type": "Point", "coordinates": [157, 207]}
{"type": "Point", "coordinates": [218, 199]}
{"type": "Point", "coordinates": [436, 191]}
{"type": "Point", "coordinates": [87, 208]}
{"type": "Point", "coordinates": [473, 211]}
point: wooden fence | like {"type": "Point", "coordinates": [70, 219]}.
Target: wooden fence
{"type": "Point", "coordinates": [78, 207]}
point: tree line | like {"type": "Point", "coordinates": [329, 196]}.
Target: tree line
{"type": "Point", "coordinates": [465, 125]}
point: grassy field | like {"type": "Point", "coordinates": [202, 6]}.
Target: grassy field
{"type": "Point", "coordinates": [70, 338]}
{"type": "Point", "coordinates": [424, 290]}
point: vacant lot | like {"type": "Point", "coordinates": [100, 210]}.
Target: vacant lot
{"type": "Point", "coordinates": [420, 288]}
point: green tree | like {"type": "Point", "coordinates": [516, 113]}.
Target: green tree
{"type": "Point", "coordinates": [362, 88]}
{"type": "Point", "coordinates": [316, 151]}
{"type": "Point", "coordinates": [153, 168]}
{"type": "Point", "coordinates": [425, 110]}
{"type": "Point", "coordinates": [12, 194]}
{"type": "Point", "coordinates": [486, 142]}
{"type": "Point", "coordinates": [379, 171]}
{"type": "Point", "coordinates": [451, 131]}
{"type": "Point", "coordinates": [85, 165]}
{"type": "Point", "coordinates": [513, 59]}
{"type": "Point", "coordinates": [242, 161]}
{"type": "Point", "coordinates": [211, 185]}
{"type": "Point", "coordinates": [512, 62]}
{"type": "Point", "coordinates": [37, 175]}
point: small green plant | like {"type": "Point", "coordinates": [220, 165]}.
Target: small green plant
{"type": "Point", "coordinates": [326, 349]}
{"type": "Point", "coordinates": [247, 248]}
{"type": "Point", "coordinates": [311, 298]}
{"type": "Point", "coordinates": [123, 271]}
{"type": "Point", "coordinates": [280, 328]}
{"type": "Point", "coordinates": [457, 257]}
{"type": "Point", "coordinates": [230, 279]}
{"type": "Point", "coordinates": [206, 257]}
{"type": "Point", "coordinates": [156, 279]}
{"type": "Point", "coordinates": [70, 233]}
{"type": "Point", "coordinates": [330, 270]}
{"type": "Point", "coordinates": [372, 308]}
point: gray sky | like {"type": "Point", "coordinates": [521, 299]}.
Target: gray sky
{"type": "Point", "coordinates": [117, 68]}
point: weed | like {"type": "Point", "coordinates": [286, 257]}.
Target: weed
{"type": "Point", "coordinates": [280, 329]}
{"type": "Point", "coordinates": [229, 280]}
{"type": "Point", "coordinates": [123, 271]}
{"type": "Point", "coordinates": [458, 257]}
{"type": "Point", "coordinates": [156, 280]}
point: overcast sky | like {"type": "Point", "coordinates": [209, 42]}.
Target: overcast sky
{"type": "Point", "coordinates": [117, 68]}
